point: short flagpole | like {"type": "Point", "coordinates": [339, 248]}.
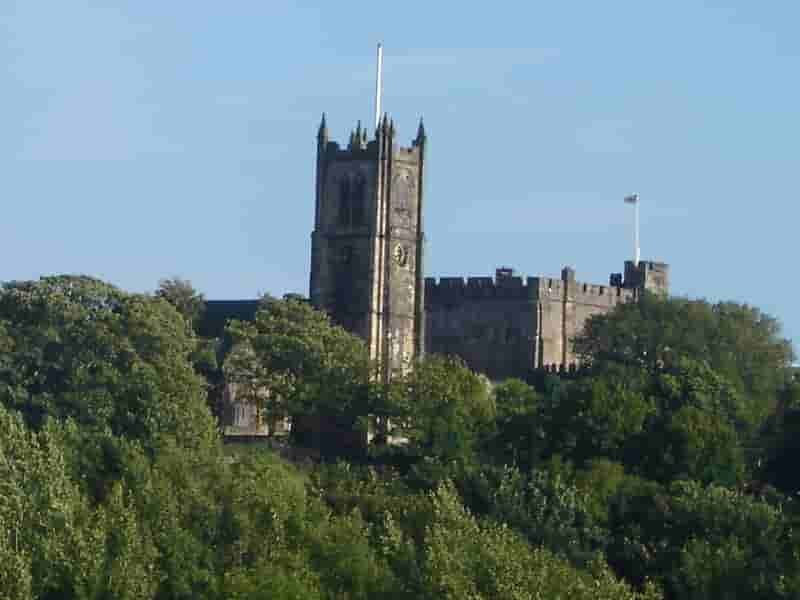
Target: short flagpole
{"type": "Point", "coordinates": [634, 199]}
{"type": "Point", "coordinates": [636, 231]}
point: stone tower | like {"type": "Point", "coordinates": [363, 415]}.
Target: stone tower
{"type": "Point", "coordinates": [367, 243]}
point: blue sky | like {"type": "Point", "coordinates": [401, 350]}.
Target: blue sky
{"type": "Point", "coordinates": [148, 139]}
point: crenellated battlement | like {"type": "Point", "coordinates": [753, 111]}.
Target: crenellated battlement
{"type": "Point", "coordinates": [334, 151]}
{"type": "Point", "coordinates": [506, 286]}
{"type": "Point", "coordinates": [592, 293]}
{"type": "Point", "coordinates": [454, 289]}
{"type": "Point", "coordinates": [360, 147]}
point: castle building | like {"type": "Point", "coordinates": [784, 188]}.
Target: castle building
{"type": "Point", "coordinates": [507, 326]}
{"type": "Point", "coordinates": [367, 272]}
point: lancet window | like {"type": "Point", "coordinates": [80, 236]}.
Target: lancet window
{"type": "Point", "coordinates": [359, 200]}
{"type": "Point", "coordinates": [344, 201]}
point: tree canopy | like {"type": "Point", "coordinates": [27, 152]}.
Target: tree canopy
{"type": "Point", "coordinates": [308, 364]}
{"type": "Point", "coordinates": [739, 343]}
{"type": "Point", "coordinates": [79, 348]}
{"type": "Point", "coordinates": [182, 295]}
{"type": "Point", "coordinates": [649, 474]}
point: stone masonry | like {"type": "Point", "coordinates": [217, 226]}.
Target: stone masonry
{"type": "Point", "coordinates": [507, 326]}
{"type": "Point", "coordinates": [367, 272]}
{"type": "Point", "coordinates": [367, 243]}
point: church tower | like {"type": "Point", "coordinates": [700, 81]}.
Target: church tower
{"type": "Point", "coordinates": [367, 243]}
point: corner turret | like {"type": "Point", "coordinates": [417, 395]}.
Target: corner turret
{"type": "Point", "coordinates": [421, 138]}
{"type": "Point", "coordinates": [647, 275]}
{"type": "Point", "coordinates": [322, 133]}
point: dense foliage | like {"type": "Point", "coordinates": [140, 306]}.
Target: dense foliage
{"type": "Point", "coordinates": [664, 469]}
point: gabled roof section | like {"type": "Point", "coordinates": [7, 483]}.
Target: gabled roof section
{"type": "Point", "coordinates": [217, 313]}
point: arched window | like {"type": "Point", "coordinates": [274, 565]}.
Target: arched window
{"type": "Point", "coordinates": [344, 201]}
{"type": "Point", "coordinates": [239, 417]}
{"type": "Point", "coordinates": [401, 193]}
{"type": "Point", "coordinates": [359, 200]}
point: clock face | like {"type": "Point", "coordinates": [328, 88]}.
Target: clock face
{"type": "Point", "coordinates": [400, 255]}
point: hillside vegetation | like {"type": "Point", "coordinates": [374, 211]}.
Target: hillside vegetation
{"type": "Point", "coordinates": [663, 469]}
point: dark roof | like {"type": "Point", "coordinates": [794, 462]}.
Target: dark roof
{"type": "Point", "coordinates": [218, 312]}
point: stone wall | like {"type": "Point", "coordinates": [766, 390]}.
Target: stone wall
{"type": "Point", "coordinates": [491, 325]}
{"type": "Point", "coordinates": [506, 326]}
{"type": "Point", "coordinates": [366, 247]}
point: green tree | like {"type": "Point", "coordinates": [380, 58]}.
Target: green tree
{"type": "Point", "coordinates": [599, 480]}
{"type": "Point", "coordinates": [467, 558]}
{"type": "Point", "coordinates": [296, 352]}
{"type": "Point", "coordinates": [596, 416]}
{"type": "Point", "coordinates": [677, 422]}
{"type": "Point", "coordinates": [192, 305]}
{"type": "Point", "coordinates": [739, 343]}
{"type": "Point", "coordinates": [448, 409]}
{"type": "Point", "coordinates": [549, 510]}
{"type": "Point", "coordinates": [513, 397]}
{"type": "Point", "coordinates": [690, 444]}
{"type": "Point", "coordinates": [518, 437]}
{"type": "Point", "coordinates": [781, 441]}
{"type": "Point", "coordinates": [704, 541]}
{"type": "Point", "coordinates": [181, 294]}
{"type": "Point", "coordinates": [82, 349]}
{"type": "Point", "coordinates": [61, 545]}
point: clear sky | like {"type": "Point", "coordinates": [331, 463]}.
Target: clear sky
{"type": "Point", "coordinates": [141, 140]}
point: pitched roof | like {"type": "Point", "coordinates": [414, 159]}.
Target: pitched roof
{"type": "Point", "coordinates": [217, 313]}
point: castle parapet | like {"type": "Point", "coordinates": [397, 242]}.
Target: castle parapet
{"type": "Point", "coordinates": [452, 283]}
{"type": "Point", "coordinates": [360, 148]}
{"type": "Point", "coordinates": [507, 286]}
{"type": "Point", "coordinates": [599, 295]}
{"type": "Point", "coordinates": [335, 152]}
{"type": "Point", "coordinates": [454, 289]}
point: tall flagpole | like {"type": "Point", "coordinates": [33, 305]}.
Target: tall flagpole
{"type": "Point", "coordinates": [378, 87]}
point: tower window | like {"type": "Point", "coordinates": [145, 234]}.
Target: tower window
{"type": "Point", "coordinates": [239, 416]}
{"type": "Point", "coordinates": [359, 199]}
{"type": "Point", "coordinates": [344, 202]}
{"type": "Point", "coordinates": [402, 193]}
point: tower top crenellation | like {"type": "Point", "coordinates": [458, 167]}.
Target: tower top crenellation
{"type": "Point", "coordinates": [367, 243]}
{"type": "Point", "coordinates": [359, 141]}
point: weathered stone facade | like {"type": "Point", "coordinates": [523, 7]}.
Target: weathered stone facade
{"type": "Point", "coordinates": [367, 244]}
{"type": "Point", "coordinates": [241, 415]}
{"type": "Point", "coordinates": [507, 326]}
{"type": "Point", "coordinates": [367, 272]}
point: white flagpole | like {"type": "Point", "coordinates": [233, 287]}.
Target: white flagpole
{"type": "Point", "coordinates": [378, 87]}
{"type": "Point", "coordinates": [636, 231]}
{"type": "Point", "coordinates": [634, 199]}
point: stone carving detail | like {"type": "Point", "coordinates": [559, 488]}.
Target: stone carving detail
{"type": "Point", "coordinates": [400, 255]}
